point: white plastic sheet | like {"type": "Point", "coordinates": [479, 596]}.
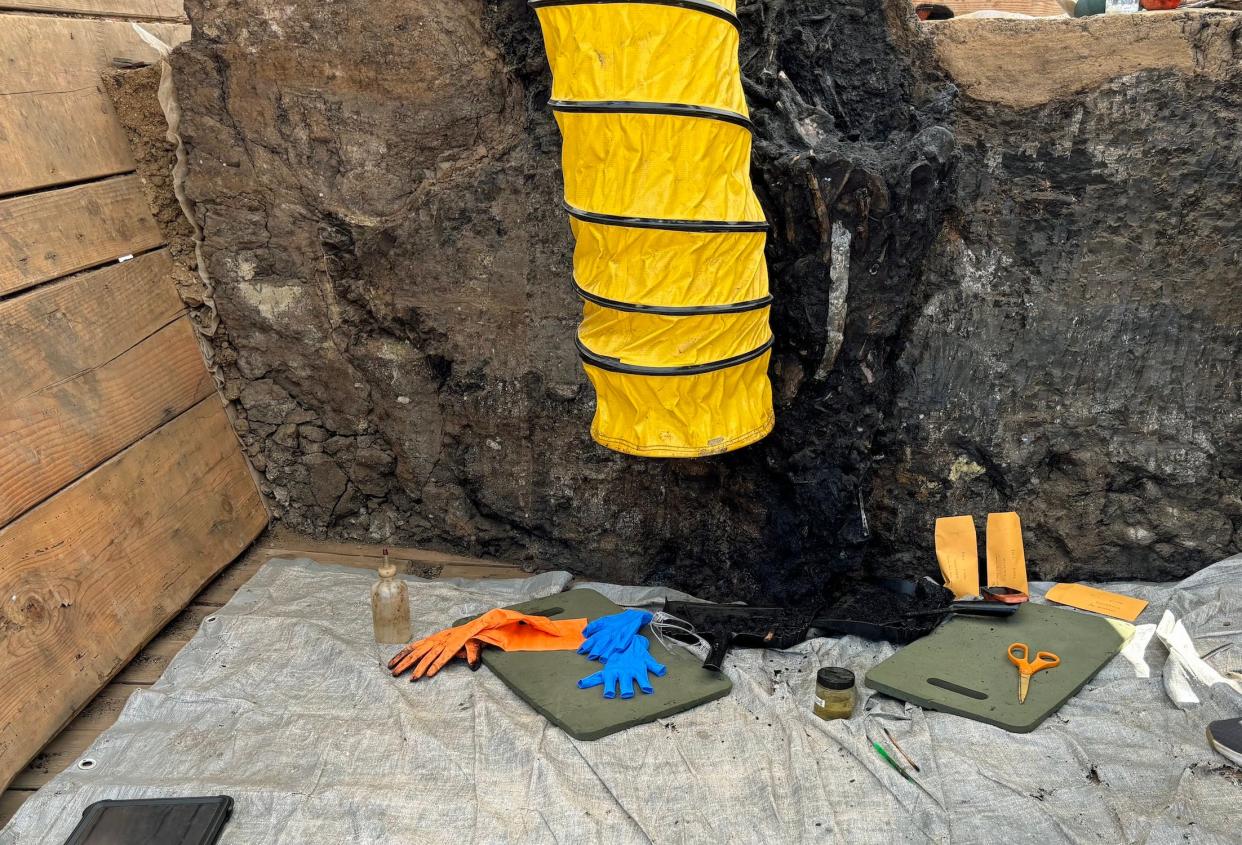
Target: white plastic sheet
{"type": "Point", "coordinates": [280, 701]}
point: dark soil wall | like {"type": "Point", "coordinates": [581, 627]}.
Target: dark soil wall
{"type": "Point", "coordinates": [378, 194]}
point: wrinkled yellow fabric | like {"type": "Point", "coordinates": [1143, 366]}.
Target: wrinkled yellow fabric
{"type": "Point", "coordinates": [659, 166]}
{"type": "Point", "coordinates": [683, 416]}
{"type": "Point", "coordinates": [638, 52]}
{"type": "Point", "coordinates": [655, 340]}
{"type": "Point", "coordinates": [660, 267]}
{"type": "Point", "coordinates": [613, 63]}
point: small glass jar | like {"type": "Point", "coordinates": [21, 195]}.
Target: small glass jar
{"type": "Point", "coordinates": [835, 694]}
{"type": "Point", "coordinates": [390, 606]}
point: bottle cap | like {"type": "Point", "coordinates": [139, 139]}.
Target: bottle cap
{"type": "Point", "coordinates": [387, 570]}
{"type": "Point", "coordinates": [834, 677]}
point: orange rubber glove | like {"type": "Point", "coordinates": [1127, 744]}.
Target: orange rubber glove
{"type": "Point", "coordinates": [556, 635]}
{"type": "Point", "coordinates": [497, 627]}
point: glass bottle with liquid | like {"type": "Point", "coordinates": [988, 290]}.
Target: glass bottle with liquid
{"type": "Point", "coordinates": [390, 606]}
{"type": "Point", "coordinates": [835, 694]}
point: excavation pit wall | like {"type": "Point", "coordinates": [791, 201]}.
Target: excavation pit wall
{"type": "Point", "coordinates": [1039, 310]}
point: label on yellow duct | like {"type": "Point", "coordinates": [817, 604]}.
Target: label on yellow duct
{"type": "Point", "coordinates": [1006, 558]}
{"type": "Point", "coordinates": [1097, 601]}
{"type": "Point", "coordinates": [957, 549]}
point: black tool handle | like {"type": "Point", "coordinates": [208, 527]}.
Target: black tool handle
{"type": "Point", "coordinates": [720, 645]}
{"type": "Point", "coordinates": [994, 609]}
{"type": "Point", "coordinates": [983, 608]}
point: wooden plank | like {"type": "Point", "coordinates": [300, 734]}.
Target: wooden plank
{"type": "Point", "coordinates": [224, 587]}
{"type": "Point", "coordinates": [43, 52]}
{"type": "Point", "coordinates": [105, 563]}
{"type": "Point", "coordinates": [105, 708]}
{"type": "Point", "coordinates": [284, 542]}
{"type": "Point", "coordinates": [1035, 8]}
{"type": "Point", "coordinates": [53, 137]}
{"type": "Point", "coordinates": [54, 233]}
{"type": "Point", "coordinates": [56, 331]}
{"type": "Point", "coordinates": [483, 572]}
{"type": "Point", "coordinates": [150, 663]}
{"type": "Point", "coordinates": [54, 758]}
{"type": "Point", "coordinates": [59, 431]}
{"type": "Point", "coordinates": [185, 624]}
{"type": "Point", "coordinates": [156, 9]}
{"type": "Point", "coordinates": [409, 561]}
{"type": "Point", "coordinates": [56, 122]}
{"type": "Point", "coordinates": [406, 565]}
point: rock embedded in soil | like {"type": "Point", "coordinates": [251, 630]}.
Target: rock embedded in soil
{"type": "Point", "coordinates": [1039, 312]}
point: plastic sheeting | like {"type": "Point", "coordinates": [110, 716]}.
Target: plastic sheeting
{"type": "Point", "coordinates": [280, 701]}
{"type": "Point", "coordinates": [669, 233]}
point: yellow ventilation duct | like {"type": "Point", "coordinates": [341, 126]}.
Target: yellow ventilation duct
{"type": "Point", "coordinates": [669, 235]}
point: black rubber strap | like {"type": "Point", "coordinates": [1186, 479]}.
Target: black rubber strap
{"type": "Point", "coordinates": [704, 6]}
{"type": "Point", "coordinates": [612, 365]}
{"type": "Point", "coordinates": [635, 107]}
{"type": "Point", "coordinates": [671, 225]}
{"type": "Point", "coordinates": [674, 310]}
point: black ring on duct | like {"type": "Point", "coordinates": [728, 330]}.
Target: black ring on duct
{"type": "Point", "coordinates": [695, 5]}
{"type": "Point", "coordinates": [615, 366]}
{"type": "Point", "coordinates": [637, 107]}
{"type": "Point", "coordinates": [673, 310]}
{"type": "Point", "coordinates": [671, 225]}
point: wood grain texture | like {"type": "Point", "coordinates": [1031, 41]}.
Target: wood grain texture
{"type": "Point", "coordinates": [56, 122]}
{"type": "Point", "coordinates": [54, 233]}
{"type": "Point", "coordinates": [105, 708]}
{"type": "Point", "coordinates": [1035, 8]}
{"type": "Point", "coordinates": [54, 758]}
{"type": "Point", "coordinates": [49, 52]}
{"type": "Point", "coordinates": [104, 564]}
{"type": "Point", "coordinates": [58, 330]}
{"type": "Point", "coordinates": [61, 430]}
{"type": "Point", "coordinates": [173, 10]}
{"type": "Point", "coordinates": [53, 137]}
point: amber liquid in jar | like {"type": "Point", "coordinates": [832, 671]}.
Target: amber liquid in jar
{"type": "Point", "coordinates": [835, 694]}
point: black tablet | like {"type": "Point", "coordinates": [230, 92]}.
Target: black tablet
{"type": "Point", "coordinates": [153, 821]}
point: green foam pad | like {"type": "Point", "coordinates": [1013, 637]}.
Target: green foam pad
{"type": "Point", "coordinates": [548, 680]}
{"type": "Point", "coordinates": [963, 668]}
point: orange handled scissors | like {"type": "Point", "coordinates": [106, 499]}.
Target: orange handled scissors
{"type": "Point", "coordinates": [1019, 655]}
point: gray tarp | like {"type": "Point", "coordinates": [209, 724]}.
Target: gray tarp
{"type": "Point", "coordinates": [281, 702]}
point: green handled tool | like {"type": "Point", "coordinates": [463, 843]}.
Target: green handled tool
{"type": "Point", "coordinates": [901, 771]}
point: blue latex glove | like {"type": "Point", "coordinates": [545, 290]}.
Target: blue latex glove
{"type": "Point", "coordinates": [610, 634]}
{"type": "Point", "coordinates": [626, 668]}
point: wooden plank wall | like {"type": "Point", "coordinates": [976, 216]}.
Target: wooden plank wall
{"type": "Point", "coordinates": [51, 233]}
{"type": "Point", "coordinates": [56, 123]}
{"type": "Point", "coordinates": [170, 10]}
{"type": "Point", "coordinates": [123, 489]}
{"type": "Point", "coordinates": [102, 566]}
